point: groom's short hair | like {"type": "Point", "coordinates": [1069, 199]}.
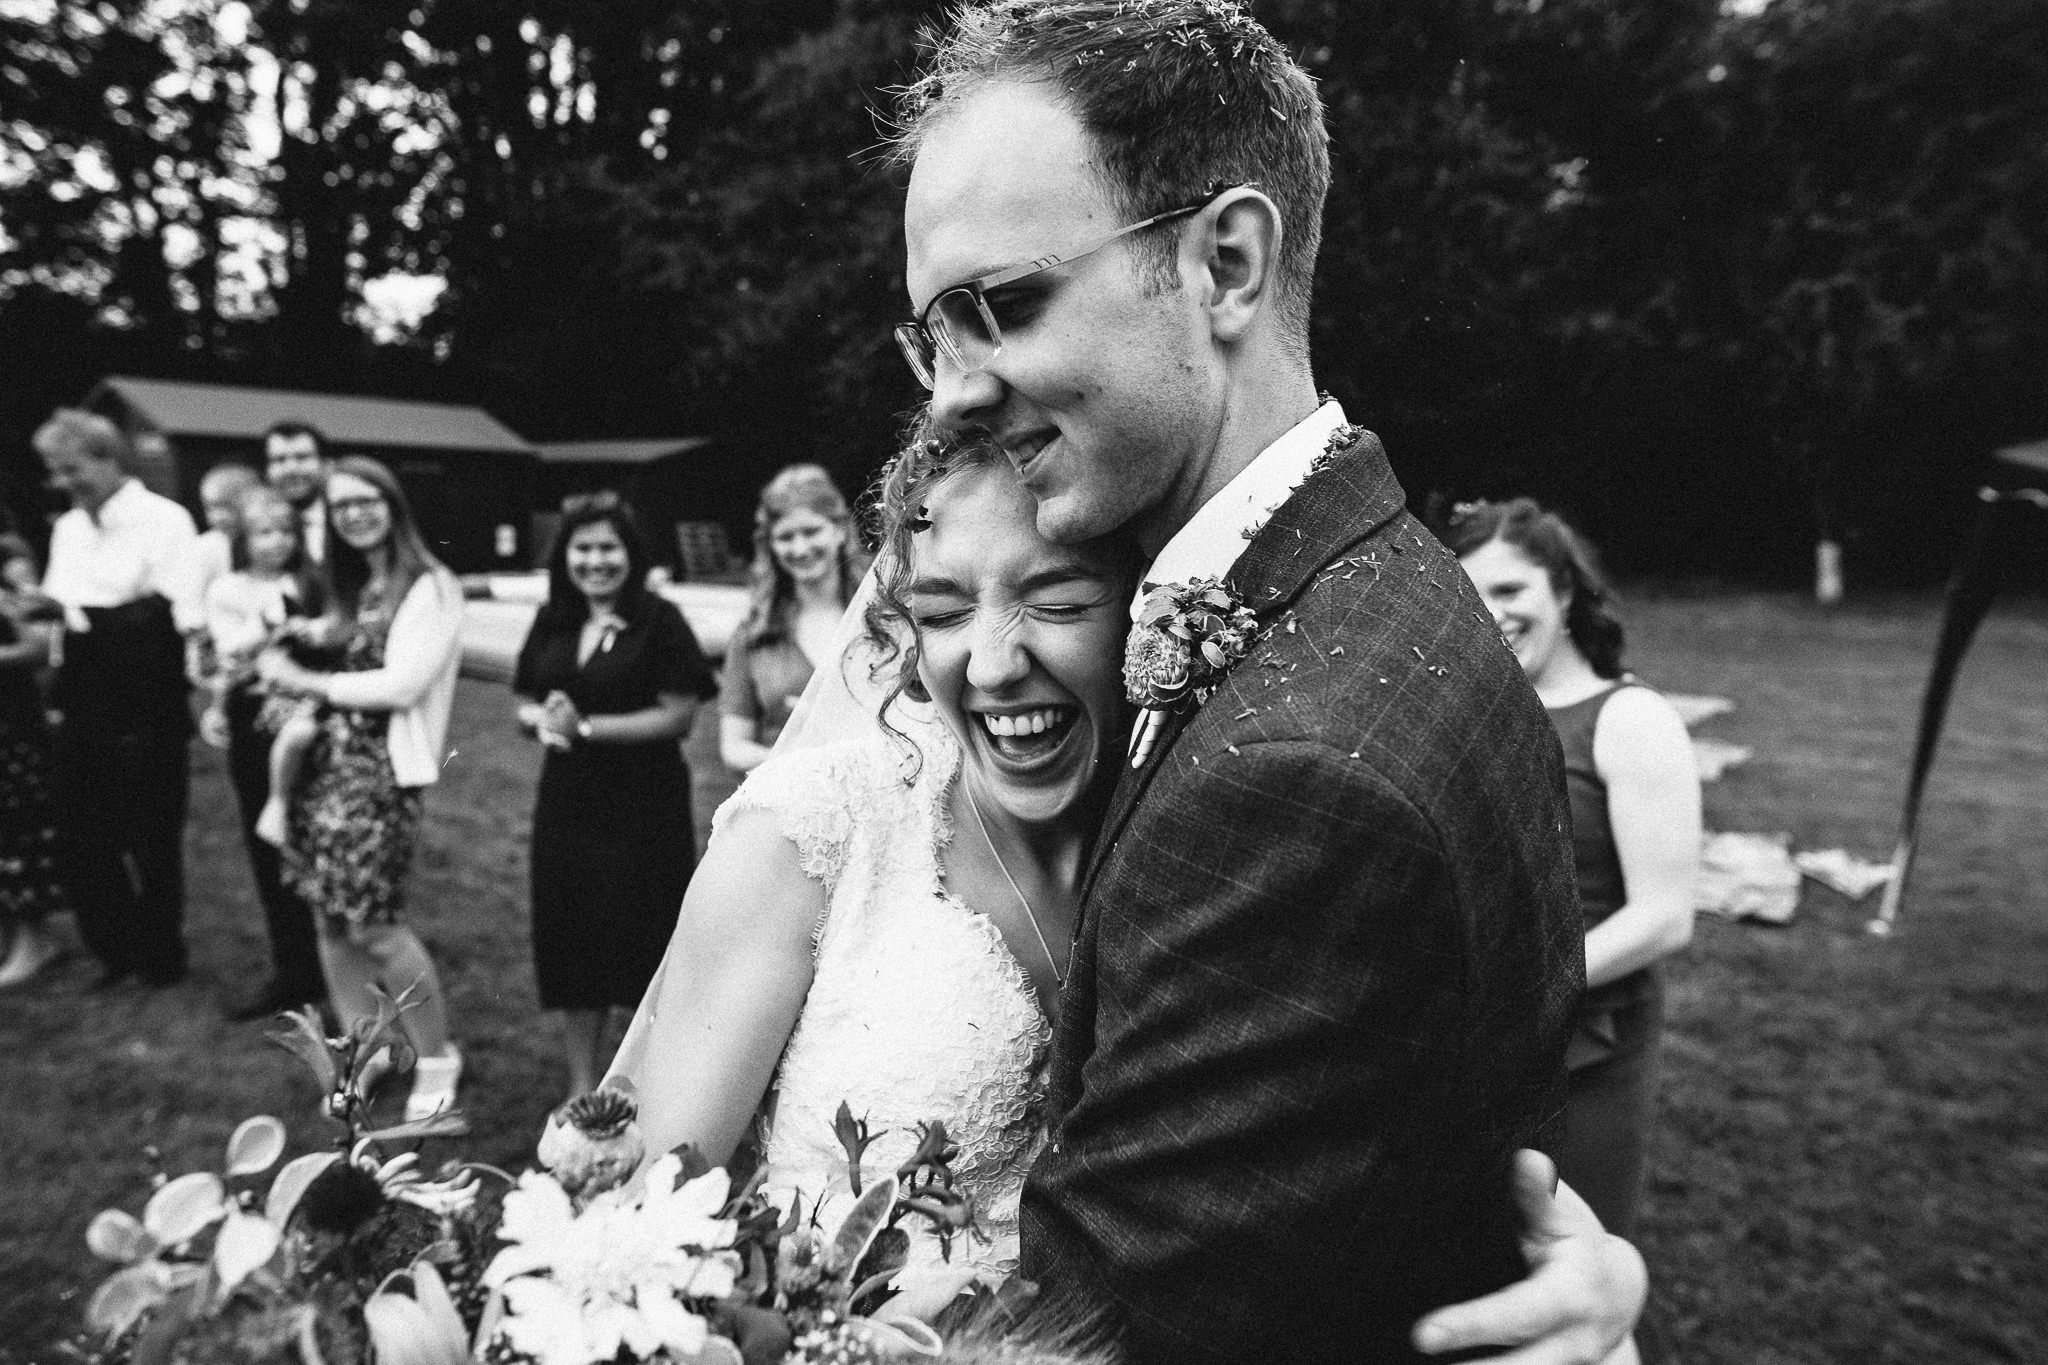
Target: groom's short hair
{"type": "Point", "coordinates": [1179, 96]}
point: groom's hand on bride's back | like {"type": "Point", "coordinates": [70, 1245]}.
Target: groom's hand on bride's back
{"type": "Point", "coordinates": [1584, 1291]}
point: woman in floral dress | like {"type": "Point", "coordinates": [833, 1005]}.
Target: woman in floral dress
{"type": "Point", "coordinates": [355, 817]}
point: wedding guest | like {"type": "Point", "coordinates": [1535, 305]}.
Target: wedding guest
{"type": "Point", "coordinates": [1635, 801]}
{"type": "Point", "coordinates": [295, 466]}
{"type": "Point", "coordinates": [220, 492]}
{"type": "Point", "coordinates": [270, 598]}
{"type": "Point", "coordinates": [123, 567]}
{"type": "Point", "coordinates": [295, 462]}
{"type": "Point", "coordinates": [610, 678]}
{"type": "Point", "coordinates": [29, 885]}
{"type": "Point", "coordinates": [806, 567]}
{"type": "Point", "coordinates": [355, 820]}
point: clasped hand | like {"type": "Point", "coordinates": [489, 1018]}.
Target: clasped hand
{"type": "Point", "coordinates": [554, 722]}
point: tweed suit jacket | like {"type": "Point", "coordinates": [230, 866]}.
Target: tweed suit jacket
{"type": "Point", "coordinates": [1328, 952]}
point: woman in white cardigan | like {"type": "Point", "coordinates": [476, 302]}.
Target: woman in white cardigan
{"type": "Point", "coordinates": [355, 817]}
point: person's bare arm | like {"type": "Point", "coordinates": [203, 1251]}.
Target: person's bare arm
{"type": "Point", "coordinates": [738, 969]}
{"type": "Point", "coordinates": [669, 718]}
{"type": "Point", "coordinates": [739, 745]}
{"type": "Point", "coordinates": [1653, 808]}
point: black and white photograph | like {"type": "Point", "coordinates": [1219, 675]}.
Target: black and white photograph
{"type": "Point", "coordinates": [1023, 682]}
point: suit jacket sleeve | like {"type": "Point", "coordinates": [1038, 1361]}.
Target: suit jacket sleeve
{"type": "Point", "coordinates": [1289, 1141]}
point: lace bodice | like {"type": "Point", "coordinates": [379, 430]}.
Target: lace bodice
{"type": "Point", "coordinates": [917, 1010]}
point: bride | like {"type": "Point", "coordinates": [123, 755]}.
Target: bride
{"type": "Point", "coordinates": [884, 918]}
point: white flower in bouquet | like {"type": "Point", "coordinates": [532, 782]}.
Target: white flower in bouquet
{"type": "Point", "coordinates": [621, 1273]}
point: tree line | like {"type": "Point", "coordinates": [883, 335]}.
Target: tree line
{"type": "Point", "coordinates": [1717, 279]}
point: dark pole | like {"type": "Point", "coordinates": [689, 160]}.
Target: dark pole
{"type": "Point", "coordinates": [1976, 584]}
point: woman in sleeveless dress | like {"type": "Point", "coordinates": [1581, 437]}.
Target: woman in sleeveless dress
{"type": "Point", "coordinates": [1635, 801]}
{"type": "Point", "coordinates": [884, 921]}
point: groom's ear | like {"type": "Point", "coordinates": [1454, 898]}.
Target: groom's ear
{"type": "Point", "coordinates": [1240, 245]}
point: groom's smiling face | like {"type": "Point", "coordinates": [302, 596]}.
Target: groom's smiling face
{"type": "Point", "coordinates": [1101, 393]}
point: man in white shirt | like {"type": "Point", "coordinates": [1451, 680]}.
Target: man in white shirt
{"type": "Point", "coordinates": [295, 464]}
{"type": "Point", "coordinates": [124, 567]}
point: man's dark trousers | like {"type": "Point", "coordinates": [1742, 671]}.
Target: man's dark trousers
{"type": "Point", "coordinates": [294, 951]}
{"type": "Point", "coordinates": [121, 822]}
{"type": "Point", "coordinates": [122, 782]}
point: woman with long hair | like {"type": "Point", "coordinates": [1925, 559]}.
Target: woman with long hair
{"type": "Point", "coordinates": [608, 681]}
{"type": "Point", "coordinates": [806, 567]}
{"type": "Point", "coordinates": [355, 817]}
{"type": "Point", "coordinates": [1635, 803]}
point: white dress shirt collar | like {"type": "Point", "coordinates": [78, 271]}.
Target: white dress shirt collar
{"type": "Point", "coordinates": [1209, 544]}
{"type": "Point", "coordinates": [121, 505]}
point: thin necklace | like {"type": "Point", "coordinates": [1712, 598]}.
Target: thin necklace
{"type": "Point", "coordinates": [1059, 978]}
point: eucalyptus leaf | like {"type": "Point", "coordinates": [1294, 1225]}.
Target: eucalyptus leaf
{"type": "Point", "coordinates": [255, 1146]}
{"type": "Point", "coordinates": [124, 1297]}
{"type": "Point", "coordinates": [116, 1235]}
{"type": "Point", "coordinates": [291, 1183]}
{"type": "Point", "coordinates": [185, 1208]}
{"type": "Point", "coordinates": [303, 1037]}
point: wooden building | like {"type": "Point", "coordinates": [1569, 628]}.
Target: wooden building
{"type": "Point", "coordinates": [471, 479]}
{"type": "Point", "coordinates": [696, 513]}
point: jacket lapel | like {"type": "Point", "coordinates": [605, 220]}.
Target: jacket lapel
{"type": "Point", "coordinates": [1349, 497]}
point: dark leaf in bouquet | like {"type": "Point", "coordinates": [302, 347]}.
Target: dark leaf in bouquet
{"type": "Point", "coordinates": [869, 1216]}
{"type": "Point", "coordinates": [889, 1254]}
{"type": "Point", "coordinates": [303, 1037]}
{"type": "Point", "coordinates": [447, 1123]}
{"type": "Point", "coordinates": [693, 1162]}
{"type": "Point", "coordinates": [159, 1337]}
{"type": "Point", "coordinates": [854, 1136]}
{"type": "Point", "coordinates": [762, 1336]}
{"type": "Point", "coordinates": [934, 1149]}
{"type": "Point", "coordinates": [754, 1281]}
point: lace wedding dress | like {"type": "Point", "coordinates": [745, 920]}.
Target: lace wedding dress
{"type": "Point", "coordinates": [917, 1010]}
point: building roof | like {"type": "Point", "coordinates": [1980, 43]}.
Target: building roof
{"type": "Point", "coordinates": [616, 452]}
{"type": "Point", "coordinates": [2032, 457]}
{"type": "Point", "coordinates": [177, 408]}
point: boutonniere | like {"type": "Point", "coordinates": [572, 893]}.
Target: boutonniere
{"type": "Point", "coordinates": [1187, 637]}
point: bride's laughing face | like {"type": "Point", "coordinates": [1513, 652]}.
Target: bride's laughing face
{"type": "Point", "coordinates": [1020, 642]}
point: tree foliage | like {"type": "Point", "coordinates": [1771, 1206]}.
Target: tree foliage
{"type": "Point", "coordinates": [1671, 266]}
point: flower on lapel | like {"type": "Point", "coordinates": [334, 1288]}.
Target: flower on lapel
{"type": "Point", "coordinates": [1187, 637]}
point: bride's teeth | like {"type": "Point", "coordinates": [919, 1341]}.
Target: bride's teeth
{"type": "Point", "coordinates": [1027, 723]}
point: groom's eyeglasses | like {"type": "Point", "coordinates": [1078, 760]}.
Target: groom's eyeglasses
{"type": "Point", "coordinates": [959, 323]}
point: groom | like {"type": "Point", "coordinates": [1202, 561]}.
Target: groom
{"type": "Point", "coordinates": [1330, 940]}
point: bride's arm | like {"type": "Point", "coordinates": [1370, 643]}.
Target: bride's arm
{"type": "Point", "coordinates": [705, 1042]}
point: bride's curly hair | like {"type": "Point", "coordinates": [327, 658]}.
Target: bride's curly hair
{"type": "Point", "coordinates": [1565, 556]}
{"type": "Point", "coordinates": [895, 513]}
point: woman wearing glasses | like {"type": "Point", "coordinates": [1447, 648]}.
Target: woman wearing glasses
{"type": "Point", "coordinates": [355, 816]}
{"type": "Point", "coordinates": [609, 680]}
{"type": "Point", "coordinates": [805, 570]}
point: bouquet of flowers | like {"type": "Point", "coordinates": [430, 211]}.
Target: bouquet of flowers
{"type": "Point", "coordinates": [357, 1256]}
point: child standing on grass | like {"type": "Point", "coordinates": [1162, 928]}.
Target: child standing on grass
{"type": "Point", "coordinates": [270, 597]}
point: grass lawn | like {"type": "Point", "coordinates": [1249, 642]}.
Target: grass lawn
{"type": "Point", "coordinates": [1853, 1163]}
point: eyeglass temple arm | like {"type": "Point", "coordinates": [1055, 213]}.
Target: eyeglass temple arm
{"type": "Point", "coordinates": [1051, 259]}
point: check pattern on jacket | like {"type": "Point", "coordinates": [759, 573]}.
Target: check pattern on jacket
{"type": "Point", "coordinates": [1328, 953]}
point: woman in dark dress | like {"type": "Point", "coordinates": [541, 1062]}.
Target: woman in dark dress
{"type": "Point", "coordinates": [1634, 790]}
{"type": "Point", "coordinates": [610, 679]}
